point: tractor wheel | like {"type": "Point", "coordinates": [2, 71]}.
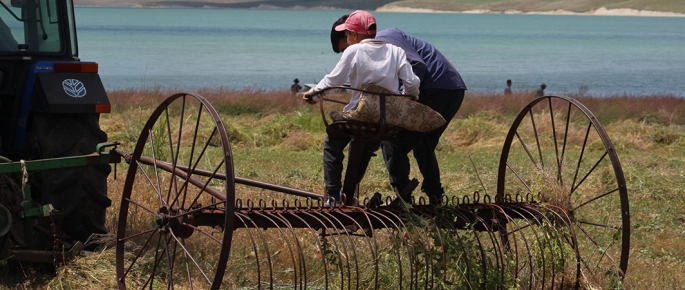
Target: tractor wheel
{"type": "Point", "coordinates": [80, 194]}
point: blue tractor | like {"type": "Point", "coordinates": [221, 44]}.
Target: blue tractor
{"type": "Point", "coordinates": [50, 106]}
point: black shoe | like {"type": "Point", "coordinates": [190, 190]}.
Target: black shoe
{"type": "Point", "coordinates": [375, 201]}
{"type": "Point", "coordinates": [435, 199]}
{"type": "Point", "coordinates": [406, 192]}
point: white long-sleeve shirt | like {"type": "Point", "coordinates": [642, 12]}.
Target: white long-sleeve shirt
{"type": "Point", "coordinates": [371, 62]}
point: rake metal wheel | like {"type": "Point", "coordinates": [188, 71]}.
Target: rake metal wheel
{"type": "Point", "coordinates": [557, 152]}
{"type": "Point", "coordinates": [176, 225]}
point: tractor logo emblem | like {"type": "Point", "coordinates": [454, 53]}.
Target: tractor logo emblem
{"type": "Point", "coordinates": [74, 88]}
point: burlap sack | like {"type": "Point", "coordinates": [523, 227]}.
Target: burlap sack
{"type": "Point", "coordinates": [399, 111]}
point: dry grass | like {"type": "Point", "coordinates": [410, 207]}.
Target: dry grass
{"type": "Point", "coordinates": [277, 138]}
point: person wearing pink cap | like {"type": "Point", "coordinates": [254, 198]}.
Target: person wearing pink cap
{"type": "Point", "coordinates": [442, 89]}
{"type": "Point", "coordinates": [365, 61]}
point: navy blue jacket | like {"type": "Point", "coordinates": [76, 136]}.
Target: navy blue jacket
{"type": "Point", "coordinates": [434, 70]}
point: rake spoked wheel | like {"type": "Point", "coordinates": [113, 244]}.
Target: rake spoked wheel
{"type": "Point", "coordinates": [559, 154]}
{"type": "Point", "coordinates": [176, 220]}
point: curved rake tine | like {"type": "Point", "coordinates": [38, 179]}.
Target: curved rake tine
{"type": "Point", "coordinates": [547, 225]}
{"type": "Point", "coordinates": [498, 246]}
{"type": "Point", "coordinates": [491, 235]}
{"type": "Point", "coordinates": [558, 234]}
{"type": "Point", "coordinates": [415, 219]}
{"type": "Point", "coordinates": [442, 241]}
{"type": "Point", "coordinates": [481, 248]}
{"type": "Point", "coordinates": [399, 228]}
{"type": "Point", "coordinates": [268, 255]}
{"type": "Point", "coordinates": [534, 229]}
{"type": "Point", "coordinates": [453, 231]}
{"type": "Point", "coordinates": [269, 217]}
{"type": "Point", "coordinates": [321, 250]}
{"type": "Point", "coordinates": [324, 229]}
{"type": "Point", "coordinates": [557, 211]}
{"type": "Point", "coordinates": [470, 271]}
{"type": "Point", "coordinates": [395, 228]}
{"type": "Point", "coordinates": [302, 266]}
{"type": "Point", "coordinates": [256, 249]}
{"type": "Point", "coordinates": [324, 221]}
{"type": "Point", "coordinates": [442, 244]}
{"type": "Point", "coordinates": [374, 248]}
{"type": "Point", "coordinates": [525, 241]}
{"type": "Point", "coordinates": [351, 244]}
{"type": "Point", "coordinates": [507, 240]}
{"type": "Point", "coordinates": [413, 272]}
{"type": "Point", "coordinates": [366, 238]}
{"type": "Point", "coordinates": [529, 246]}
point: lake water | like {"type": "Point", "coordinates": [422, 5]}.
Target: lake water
{"type": "Point", "coordinates": [267, 49]}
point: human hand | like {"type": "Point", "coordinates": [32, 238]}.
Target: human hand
{"type": "Point", "coordinates": [411, 97]}
{"type": "Point", "coordinates": [307, 97]}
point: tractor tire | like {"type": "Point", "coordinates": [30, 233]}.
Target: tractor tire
{"type": "Point", "coordinates": [79, 194]}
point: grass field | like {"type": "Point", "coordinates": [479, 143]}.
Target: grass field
{"type": "Point", "coordinates": [276, 138]}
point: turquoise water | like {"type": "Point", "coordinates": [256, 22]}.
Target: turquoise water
{"type": "Point", "coordinates": [192, 48]}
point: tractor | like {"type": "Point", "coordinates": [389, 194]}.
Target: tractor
{"type": "Point", "coordinates": [53, 183]}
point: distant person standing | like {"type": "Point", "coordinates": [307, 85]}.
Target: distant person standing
{"type": "Point", "coordinates": [507, 89]}
{"type": "Point", "coordinates": [541, 91]}
{"type": "Point", "coordinates": [296, 87]}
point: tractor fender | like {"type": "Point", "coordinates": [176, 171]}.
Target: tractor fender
{"type": "Point", "coordinates": [59, 87]}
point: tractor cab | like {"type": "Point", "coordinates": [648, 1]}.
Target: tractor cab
{"type": "Point", "coordinates": [40, 70]}
{"type": "Point", "coordinates": [29, 27]}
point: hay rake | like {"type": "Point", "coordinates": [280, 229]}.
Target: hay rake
{"type": "Point", "coordinates": [559, 218]}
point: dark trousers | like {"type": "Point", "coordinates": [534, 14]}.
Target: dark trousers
{"type": "Point", "coordinates": [445, 102]}
{"type": "Point", "coordinates": [333, 156]}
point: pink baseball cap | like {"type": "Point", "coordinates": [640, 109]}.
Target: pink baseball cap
{"type": "Point", "coordinates": [359, 21]}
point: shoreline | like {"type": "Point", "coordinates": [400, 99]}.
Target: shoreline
{"type": "Point", "coordinates": [602, 11]}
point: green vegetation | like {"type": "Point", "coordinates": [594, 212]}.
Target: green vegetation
{"type": "Point", "coordinates": [277, 138]}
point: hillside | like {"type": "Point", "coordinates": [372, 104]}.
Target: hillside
{"type": "Point", "coordinates": [497, 6]}
{"type": "Point", "coordinates": [577, 6]}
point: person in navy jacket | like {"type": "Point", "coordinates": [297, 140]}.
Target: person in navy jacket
{"type": "Point", "coordinates": [441, 88]}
